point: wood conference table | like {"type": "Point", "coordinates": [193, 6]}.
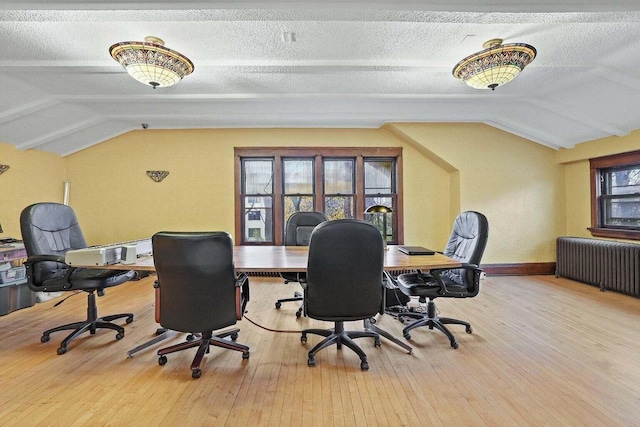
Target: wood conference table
{"type": "Point", "coordinates": [294, 259]}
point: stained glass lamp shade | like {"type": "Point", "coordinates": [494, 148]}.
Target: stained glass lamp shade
{"type": "Point", "coordinates": [151, 63]}
{"type": "Point", "coordinates": [494, 66]}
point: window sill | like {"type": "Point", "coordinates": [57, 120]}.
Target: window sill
{"type": "Point", "coordinates": [615, 233]}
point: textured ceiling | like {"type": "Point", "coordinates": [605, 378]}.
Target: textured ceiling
{"type": "Point", "coordinates": [353, 64]}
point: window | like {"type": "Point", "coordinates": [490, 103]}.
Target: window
{"type": "Point", "coordinates": [257, 200]}
{"type": "Point", "coordinates": [615, 196]}
{"type": "Point", "coordinates": [339, 188]}
{"type": "Point", "coordinates": [341, 182]}
{"type": "Point", "coordinates": [297, 178]}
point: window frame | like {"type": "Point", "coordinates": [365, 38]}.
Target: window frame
{"type": "Point", "coordinates": [318, 153]}
{"type": "Point", "coordinates": [392, 196]}
{"type": "Point", "coordinates": [354, 183]}
{"type": "Point", "coordinates": [242, 196]}
{"type": "Point", "coordinates": [598, 167]}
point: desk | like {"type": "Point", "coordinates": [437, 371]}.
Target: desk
{"type": "Point", "coordinates": [294, 258]}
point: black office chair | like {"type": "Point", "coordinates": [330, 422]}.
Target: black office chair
{"type": "Point", "coordinates": [344, 282]}
{"type": "Point", "coordinates": [199, 291]}
{"type": "Point", "coordinates": [49, 230]}
{"type": "Point", "coordinates": [297, 233]}
{"type": "Point", "coordinates": [466, 244]}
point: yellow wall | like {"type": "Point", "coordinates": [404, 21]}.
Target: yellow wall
{"type": "Point", "coordinates": [578, 190]}
{"type": "Point", "coordinates": [514, 182]}
{"type": "Point", "coordinates": [448, 168]}
{"type": "Point", "coordinates": [116, 201]}
{"type": "Point", "coordinates": [34, 176]}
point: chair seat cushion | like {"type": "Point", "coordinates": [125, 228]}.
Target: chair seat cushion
{"type": "Point", "coordinates": [94, 279]}
{"type": "Point", "coordinates": [425, 285]}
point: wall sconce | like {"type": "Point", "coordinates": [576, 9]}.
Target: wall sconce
{"type": "Point", "coordinates": [157, 176]}
{"type": "Point", "coordinates": [3, 169]}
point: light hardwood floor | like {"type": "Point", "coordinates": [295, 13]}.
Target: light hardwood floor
{"type": "Point", "coordinates": [544, 352]}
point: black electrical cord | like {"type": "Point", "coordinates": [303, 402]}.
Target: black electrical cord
{"type": "Point", "coordinates": [283, 331]}
{"type": "Point", "coordinates": [66, 298]}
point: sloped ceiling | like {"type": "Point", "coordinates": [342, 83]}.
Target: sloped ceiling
{"type": "Point", "coordinates": [352, 64]}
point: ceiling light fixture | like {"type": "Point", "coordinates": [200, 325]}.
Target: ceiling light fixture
{"type": "Point", "coordinates": [494, 66]}
{"type": "Point", "coordinates": [151, 63]}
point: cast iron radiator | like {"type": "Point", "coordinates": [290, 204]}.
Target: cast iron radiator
{"type": "Point", "coordinates": [602, 263]}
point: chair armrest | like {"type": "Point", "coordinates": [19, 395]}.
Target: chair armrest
{"type": "Point", "coordinates": [42, 258]}
{"type": "Point", "coordinates": [437, 272]}
{"type": "Point", "coordinates": [156, 287]}
{"type": "Point", "coordinates": [34, 259]}
{"type": "Point", "coordinates": [242, 294]}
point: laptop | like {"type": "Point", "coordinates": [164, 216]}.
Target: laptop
{"type": "Point", "coordinates": [415, 250]}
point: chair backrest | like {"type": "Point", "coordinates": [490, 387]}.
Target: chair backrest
{"type": "Point", "coordinates": [466, 244]}
{"type": "Point", "coordinates": [299, 227]}
{"type": "Point", "coordinates": [50, 229]}
{"type": "Point", "coordinates": [197, 280]}
{"type": "Point", "coordinates": [344, 271]}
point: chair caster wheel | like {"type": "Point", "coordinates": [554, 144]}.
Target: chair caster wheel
{"type": "Point", "coordinates": [407, 336]}
{"type": "Point", "coordinates": [311, 361]}
{"type": "Point", "coordinates": [303, 339]}
{"type": "Point", "coordinates": [469, 329]}
{"type": "Point", "coordinates": [196, 373]}
{"type": "Point", "coordinates": [245, 355]}
{"type": "Point", "coordinates": [162, 360]}
{"type": "Point", "coordinates": [234, 336]}
{"type": "Point", "coordinates": [129, 319]}
{"type": "Point", "coordinates": [190, 337]}
{"type": "Point", "coordinates": [298, 313]}
{"type": "Point", "coordinates": [364, 365]}
{"type": "Point", "coordinates": [455, 344]}
{"type": "Point", "coordinates": [278, 305]}
{"type": "Point", "coordinates": [119, 336]}
{"type": "Point", "coordinates": [373, 321]}
{"type": "Point", "coordinates": [61, 350]}
{"type": "Point", "coordinates": [45, 338]}
{"type": "Point", "coordinates": [377, 342]}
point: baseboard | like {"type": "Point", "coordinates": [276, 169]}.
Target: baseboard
{"type": "Point", "coordinates": [519, 269]}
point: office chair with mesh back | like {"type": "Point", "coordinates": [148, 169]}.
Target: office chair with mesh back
{"type": "Point", "coordinates": [49, 230]}
{"type": "Point", "coordinates": [466, 244]}
{"type": "Point", "coordinates": [199, 291]}
{"type": "Point", "coordinates": [297, 233]}
{"type": "Point", "coordinates": [344, 282]}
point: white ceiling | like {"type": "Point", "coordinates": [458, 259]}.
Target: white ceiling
{"type": "Point", "coordinates": [353, 64]}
